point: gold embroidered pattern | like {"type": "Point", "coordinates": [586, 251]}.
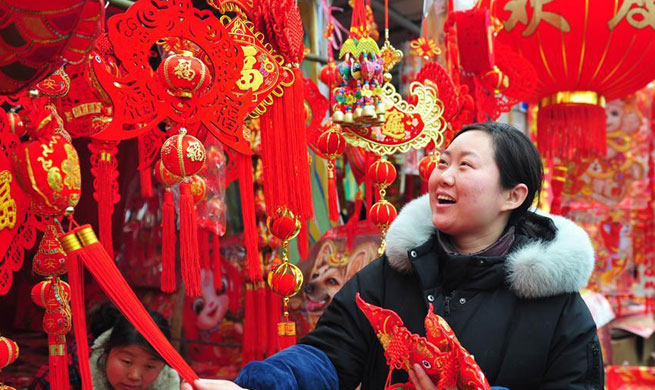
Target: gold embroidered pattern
{"type": "Point", "coordinates": [250, 78]}
{"type": "Point", "coordinates": [195, 152]}
{"type": "Point", "coordinates": [7, 203]}
{"type": "Point", "coordinates": [183, 70]}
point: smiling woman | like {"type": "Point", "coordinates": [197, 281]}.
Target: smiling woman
{"type": "Point", "coordinates": [503, 277]}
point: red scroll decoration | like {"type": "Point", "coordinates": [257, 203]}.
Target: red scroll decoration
{"type": "Point", "coordinates": [443, 358]}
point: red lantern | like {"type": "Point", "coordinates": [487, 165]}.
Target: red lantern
{"type": "Point", "coordinates": [583, 53]}
{"type": "Point", "coordinates": [427, 165]}
{"type": "Point", "coordinates": [382, 173]}
{"type": "Point", "coordinates": [184, 75]}
{"type": "Point", "coordinates": [183, 155]}
{"type": "Point", "coordinates": [285, 279]}
{"type": "Point", "coordinates": [198, 188]}
{"type": "Point", "coordinates": [164, 176]}
{"type": "Point", "coordinates": [474, 40]}
{"type": "Point", "coordinates": [48, 170]}
{"type": "Point", "coordinates": [382, 213]}
{"type": "Point", "coordinates": [13, 122]}
{"type": "Point", "coordinates": [8, 352]}
{"type": "Point", "coordinates": [43, 293]}
{"type": "Point", "coordinates": [330, 75]}
{"type": "Point", "coordinates": [283, 224]}
{"type": "Point", "coordinates": [331, 143]}
{"type": "Point", "coordinates": [50, 259]}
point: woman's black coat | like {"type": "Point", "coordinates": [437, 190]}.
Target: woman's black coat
{"type": "Point", "coordinates": [520, 315]}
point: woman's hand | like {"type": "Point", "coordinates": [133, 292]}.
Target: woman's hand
{"type": "Point", "coordinates": [208, 384]}
{"type": "Point", "coordinates": [421, 380]}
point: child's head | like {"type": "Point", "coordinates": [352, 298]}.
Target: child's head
{"type": "Point", "coordinates": [129, 361]}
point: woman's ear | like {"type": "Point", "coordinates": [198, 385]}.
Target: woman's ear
{"type": "Point", "coordinates": [515, 197]}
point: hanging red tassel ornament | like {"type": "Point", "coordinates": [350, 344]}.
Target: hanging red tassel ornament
{"type": "Point", "coordinates": [8, 354]}
{"type": "Point", "coordinates": [104, 169]}
{"type": "Point", "coordinates": [331, 144]}
{"type": "Point", "coordinates": [168, 278]}
{"type": "Point", "coordinates": [382, 174]}
{"type": "Point", "coordinates": [198, 188]}
{"type": "Point", "coordinates": [303, 240]}
{"type": "Point", "coordinates": [382, 214]}
{"type": "Point", "coordinates": [111, 281]}
{"type": "Point", "coordinates": [426, 166]}
{"type": "Point", "coordinates": [57, 322]}
{"type": "Point", "coordinates": [285, 279]}
{"type": "Point", "coordinates": [189, 254]}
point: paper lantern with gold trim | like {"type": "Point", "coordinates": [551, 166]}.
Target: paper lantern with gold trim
{"type": "Point", "coordinates": [584, 53]}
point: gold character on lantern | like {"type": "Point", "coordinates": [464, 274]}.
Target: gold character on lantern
{"type": "Point", "coordinates": [7, 203]}
{"type": "Point", "coordinates": [519, 15]}
{"type": "Point", "coordinates": [250, 78]}
{"type": "Point", "coordinates": [71, 168]}
{"type": "Point", "coordinates": [183, 70]}
{"type": "Point", "coordinates": [195, 152]}
{"type": "Point", "coordinates": [638, 13]}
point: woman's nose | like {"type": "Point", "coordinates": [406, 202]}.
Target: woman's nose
{"type": "Point", "coordinates": [447, 177]}
{"type": "Point", "coordinates": [134, 373]}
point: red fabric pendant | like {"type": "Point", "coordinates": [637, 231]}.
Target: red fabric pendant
{"type": "Point", "coordinates": [168, 278]}
{"type": "Point", "coordinates": [189, 254]}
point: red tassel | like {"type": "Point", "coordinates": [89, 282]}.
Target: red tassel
{"type": "Point", "coordinates": [189, 255]}
{"type": "Point", "coordinates": [262, 315]}
{"type": "Point", "coordinates": [58, 362]}
{"type": "Point", "coordinates": [168, 278]}
{"type": "Point", "coordinates": [104, 178]}
{"type": "Point", "coordinates": [303, 240]}
{"type": "Point", "coordinates": [275, 313]}
{"type": "Point", "coordinates": [145, 174]}
{"type": "Point", "coordinates": [557, 184]}
{"type": "Point", "coordinates": [203, 249]}
{"type": "Point", "coordinates": [218, 273]}
{"type": "Point", "coordinates": [250, 233]}
{"type": "Point", "coordinates": [76, 281]}
{"type": "Point", "coordinates": [571, 131]}
{"type": "Point", "coordinates": [286, 334]}
{"type": "Point", "coordinates": [250, 322]}
{"type": "Point", "coordinates": [284, 153]}
{"type": "Point", "coordinates": [333, 195]}
{"type": "Point", "coordinates": [104, 270]}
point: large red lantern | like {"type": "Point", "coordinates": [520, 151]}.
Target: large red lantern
{"type": "Point", "coordinates": [184, 75]}
{"type": "Point", "coordinates": [584, 53]}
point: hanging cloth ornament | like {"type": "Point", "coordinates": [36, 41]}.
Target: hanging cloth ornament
{"type": "Point", "coordinates": [8, 354]}
{"type": "Point", "coordinates": [331, 145]}
{"type": "Point", "coordinates": [285, 279]}
{"type": "Point", "coordinates": [184, 155]}
{"type": "Point", "coordinates": [168, 252]}
{"type": "Point", "coordinates": [104, 168]}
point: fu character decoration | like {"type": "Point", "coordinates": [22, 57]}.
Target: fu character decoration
{"type": "Point", "coordinates": [285, 278]}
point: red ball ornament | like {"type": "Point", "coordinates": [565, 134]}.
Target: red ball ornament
{"type": "Point", "coordinates": [495, 80]}
{"type": "Point", "coordinates": [48, 170]}
{"type": "Point", "coordinates": [330, 74]}
{"type": "Point", "coordinates": [14, 124]}
{"type": "Point", "coordinates": [285, 279]}
{"type": "Point", "coordinates": [164, 176]}
{"type": "Point", "coordinates": [283, 224]}
{"type": "Point", "coordinates": [183, 155]}
{"type": "Point", "coordinates": [198, 188]}
{"type": "Point", "coordinates": [331, 143]}
{"type": "Point", "coordinates": [382, 173]}
{"type": "Point", "coordinates": [382, 213]}
{"type": "Point", "coordinates": [43, 293]}
{"type": "Point", "coordinates": [184, 75]}
{"type": "Point", "coordinates": [57, 322]}
{"type": "Point", "coordinates": [427, 165]}
{"type": "Point", "coordinates": [8, 352]}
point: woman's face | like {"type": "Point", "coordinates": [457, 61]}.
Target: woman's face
{"type": "Point", "coordinates": [465, 192]}
{"type": "Point", "coordinates": [132, 368]}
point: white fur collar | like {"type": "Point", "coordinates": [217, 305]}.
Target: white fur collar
{"type": "Point", "coordinates": [535, 270]}
{"type": "Point", "coordinates": [168, 378]}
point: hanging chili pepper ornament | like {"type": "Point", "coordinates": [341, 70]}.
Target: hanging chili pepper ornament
{"type": "Point", "coordinates": [331, 144]}
{"type": "Point", "coordinates": [8, 354]}
{"type": "Point", "coordinates": [285, 279]}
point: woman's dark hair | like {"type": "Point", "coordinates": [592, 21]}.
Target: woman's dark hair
{"type": "Point", "coordinates": [518, 162]}
{"type": "Point", "coordinates": [124, 333]}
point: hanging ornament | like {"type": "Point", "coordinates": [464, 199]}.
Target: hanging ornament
{"type": "Point", "coordinates": [285, 278]}
{"type": "Point", "coordinates": [198, 188]}
{"type": "Point", "coordinates": [168, 252]}
{"type": "Point", "coordinates": [184, 75]}
{"type": "Point", "coordinates": [47, 167]}
{"type": "Point", "coordinates": [427, 165]}
{"type": "Point", "coordinates": [8, 354]}
{"type": "Point", "coordinates": [382, 173]}
{"type": "Point", "coordinates": [331, 144]}
{"type": "Point", "coordinates": [50, 258]}
{"type": "Point", "coordinates": [183, 154]}
{"type": "Point", "coordinates": [104, 168]}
